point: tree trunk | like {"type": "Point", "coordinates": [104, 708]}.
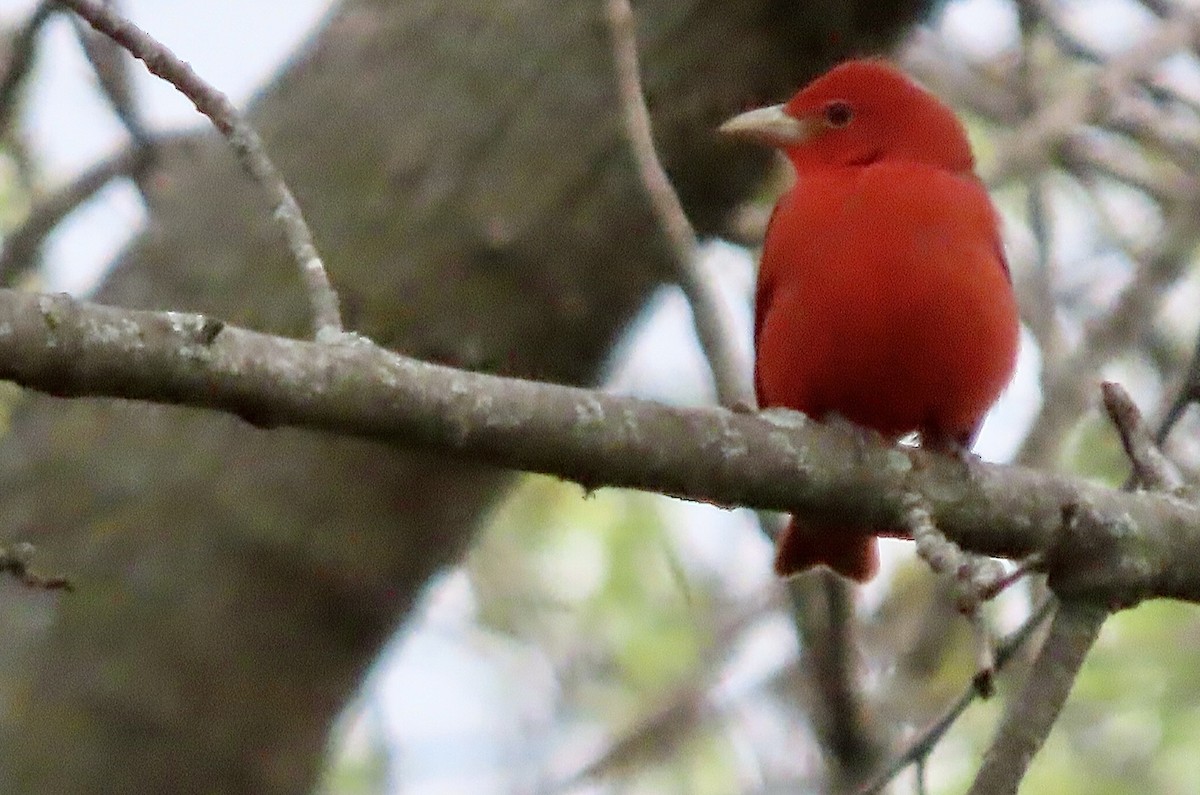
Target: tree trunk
{"type": "Point", "coordinates": [463, 168]}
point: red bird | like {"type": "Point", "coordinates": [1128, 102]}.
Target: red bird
{"type": "Point", "coordinates": [883, 295]}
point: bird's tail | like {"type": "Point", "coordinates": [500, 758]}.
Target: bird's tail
{"type": "Point", "coordinates": [849, 552]}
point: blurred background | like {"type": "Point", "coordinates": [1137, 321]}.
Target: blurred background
{"type": "Point", "coordinates": [624, 642]}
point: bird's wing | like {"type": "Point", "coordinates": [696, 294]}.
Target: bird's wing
{"type": "Point", "coordinates": [762, 299]}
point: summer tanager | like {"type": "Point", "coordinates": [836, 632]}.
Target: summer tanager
{"type": "Point", "coordinates": [883, 296]}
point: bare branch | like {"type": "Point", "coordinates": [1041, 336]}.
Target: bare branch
{"type": "Point", "coordinates": [713, 327]}
{"type": "Point", "coordinates": [1070, 389]}
{"type": "Point", "coordinates": [1039, 308]}
{"type": "Point", "coordinates": [15, 561]}
{"type": "Point", "coordinates": [1189, 393]}
{"type": "Point", "coordinates": [1039, 140]}
{"type": "Point", "coordinates": [1125, 162]}
{"type": "Point", "coordinates": [220, 111]}
{"type": "Point", "coordinates": [21, 60]}
{"type": "Point", "coordinates": [1139, 548]}
{"type": "Point", "coordinates": [1032, 714]}
{"type": "Point", "coordinates": [1150, 467]}
{"type": "Point", "coordinates": [22, 244]}
{"type": "Point", "coordinates": [675, 716]}
{"type": "Point", "coordinates": [111, 65]}
{"type": "Point", "coordinates": [965, 84]}
{"type": "Point", "coordinates": [1050, 13]}
{"type": "Point", "coordinates": [924, 744]}
{"type": "Point", "coordinates": [976, 579]}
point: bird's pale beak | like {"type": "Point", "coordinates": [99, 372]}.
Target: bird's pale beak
{"type": "Point", "coordinates": [769, 125]}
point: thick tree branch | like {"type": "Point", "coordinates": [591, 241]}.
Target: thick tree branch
{"type": "Point", "coordinates": [1132, 547]}
{"type": "Point", "coordinates": [1029, 719]}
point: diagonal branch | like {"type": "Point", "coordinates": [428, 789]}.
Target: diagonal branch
{"type": "Point", "coordinates": [17, 255]}
{"type": "Point", "coordinates": [214, 105]}
{"type": "Point", "coordinates": [20, 60]}
{"type": "Point", "coordinates": [1035, 143]}
{"type": "Point", "coordinates": [111, 65]}
{"type": "Point", "coordinates": [714, 329]}
{"type": "Point", "coordinates": [1151, 469]}
{"type": "Point", "coordinates": [1032, 714]}
{"type": "Point", "coordinates": [923, 746]}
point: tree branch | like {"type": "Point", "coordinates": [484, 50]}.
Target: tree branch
{"type": "Point", "coordinates": [20, 60]}
{"type": "Point", "coordinates": [15, 561]}
{"type": "Point", "coordinates": [920, 748]}
{"type": "Point", "coordinates": [1151, 469]}
{"type": "Point", "coordinates": [1076, 625]}
{"type": "Point", "coordinates": [1139, 547]}
{"type": "Point", "coordinates": [714, 329]}
{"type": "Point", "coordinates": [19, 252]}
{"type": "Point", "coordinates": [249, 148]}
{"type": "Point", "coordinates": [1033, 712]}
{"type": "Point", "coordinates": [1036, 142]}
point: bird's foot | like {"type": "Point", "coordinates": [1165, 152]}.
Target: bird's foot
{"type": "Point", "coordinates": [864, 438]}
{"type": "Point", "coordinates": [782, 416]}
{"type": "Point", "coordinates": [958, 448]}
{"type": "Point", "coordinates": [1025, 567]}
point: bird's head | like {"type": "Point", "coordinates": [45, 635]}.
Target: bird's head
{"type": "Point", "coordinates": [858, 113]}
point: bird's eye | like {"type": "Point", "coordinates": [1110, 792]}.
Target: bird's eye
{"type": "Point", "coordinates": [838, 114]}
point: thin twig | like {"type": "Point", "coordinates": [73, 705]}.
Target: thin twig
{"type": "Point", "coordinates": [713, 327]}
{"type": "Point", "coordinates": [976, 578]}
{"type": "Point", "coordinates": [327, 322]}
{"type": "Point", "coordinates": [1068, 392]}
{"type": "Point", "coordinates": [1108, 226]}
{"type": "Point", "coordinates": [676, 715]}
{"type": "Point", "coordinates": [1151, 468]}
{"type": "Point", "coordinates": [928, 740]}
{"type": "Point", "coordinates": [22, 244]}
{"type": "Point", "coordinates": [1050, 14]}
{"type": "Point", "coordinates": [1189, 393]}
{"type": "Point", "coordinates": [1111, 156]}
{"type": "Point", "coordinates": [987, 93]}
{"type": "Point", "coordinates": [1175, 135]}
{"type": "Point", "coordinates": [1040, 137]}
{"type": "Point", "coordinates": [1032, 714]}
{"type": "Point", "coordinates": [15, 560]}
{"type": "Point", "coordinates": [1039, 308]}
{"type": "Point", "coordinates": [21, 60]}
{"type": "Point", "coordinates": [110, 64]}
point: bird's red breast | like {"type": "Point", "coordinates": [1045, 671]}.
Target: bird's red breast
{"type": "Point", "coordinates": [883, 294]}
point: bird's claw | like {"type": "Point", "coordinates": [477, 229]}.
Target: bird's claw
{"type": "Point", "coordinates": [783, 417]}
